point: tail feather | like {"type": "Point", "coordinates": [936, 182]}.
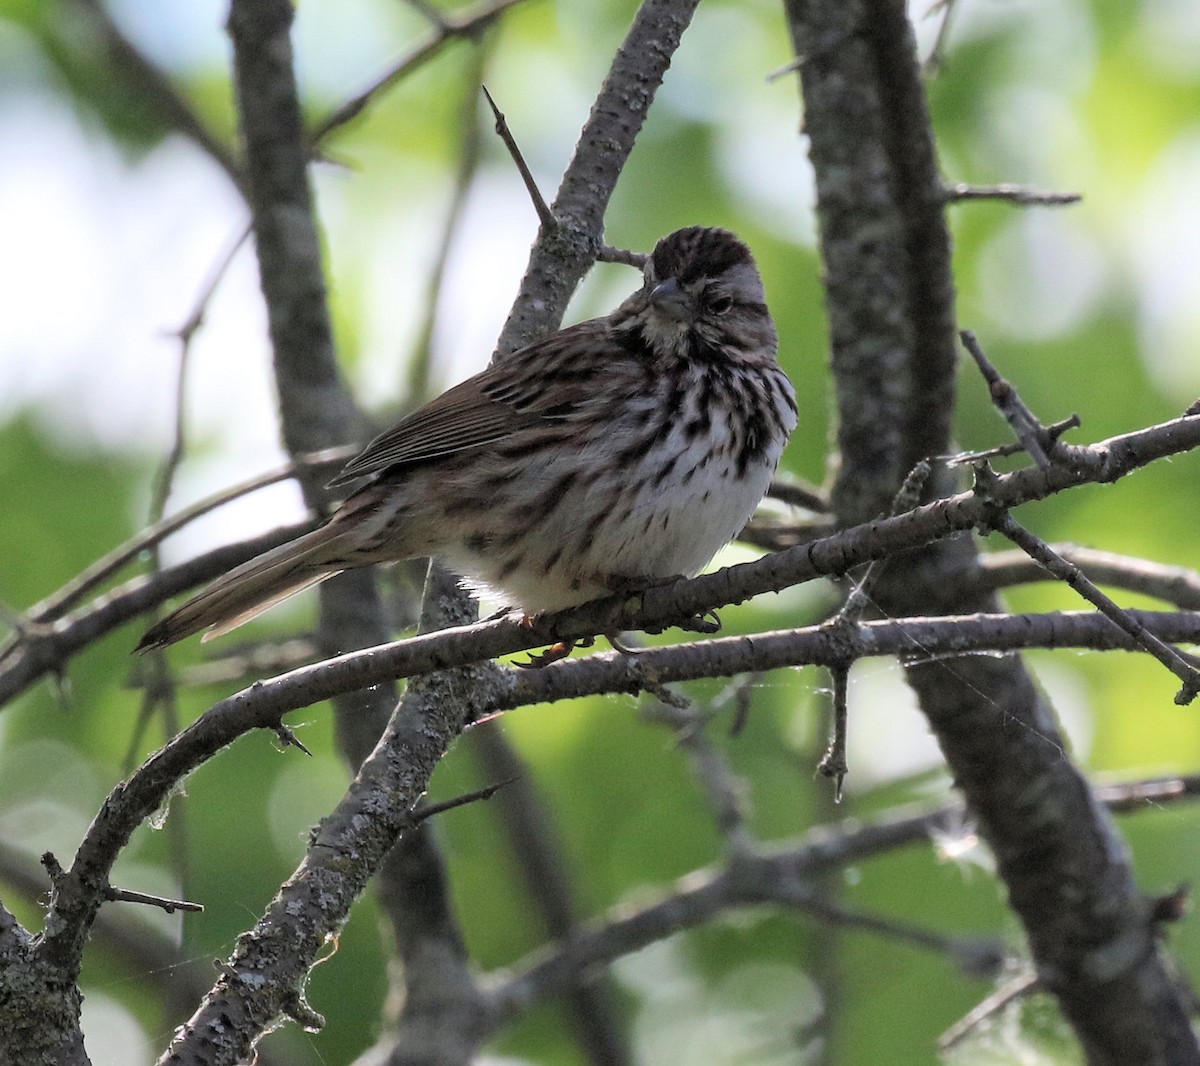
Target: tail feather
{"type": "Point", "coordinates": [219, 629]}
{"type": "Point", "coordinates": [250, 589]}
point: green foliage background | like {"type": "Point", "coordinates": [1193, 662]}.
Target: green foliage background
{"type": "Point", "coordinates": [1087, 309]}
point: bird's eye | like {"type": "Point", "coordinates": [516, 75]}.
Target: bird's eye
{"type": "Point", "coordinates": [720, 305]}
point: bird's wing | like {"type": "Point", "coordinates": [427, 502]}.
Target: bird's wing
{"type": "Point", "coordinates": [545, 381]}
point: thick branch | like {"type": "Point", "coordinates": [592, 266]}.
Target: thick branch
{"type": "Point", "coordinates": [317, 410]}
{"type": "Point", "coordinates": [891, 309]}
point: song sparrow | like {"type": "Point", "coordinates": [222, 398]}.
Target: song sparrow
{"type": "Point", "coordinates": [609, 456]}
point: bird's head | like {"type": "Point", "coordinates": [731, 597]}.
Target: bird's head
{"type": "Point", "coordinates": [702, 298]}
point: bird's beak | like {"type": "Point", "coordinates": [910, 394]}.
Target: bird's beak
{"type": "Point", "coordinates": [670, 298]}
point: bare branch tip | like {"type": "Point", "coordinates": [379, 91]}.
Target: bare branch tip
{"type": "Point", "coordinates": [170, 906]}
{"type": "Point", "coordinates": [545, 215]}
{"type": "Point", "coordinates": [1006, 192]}
{"type": "Point", "coordinates": [609, 254]}
{"type": "Point", "coordinates": [478, 795]}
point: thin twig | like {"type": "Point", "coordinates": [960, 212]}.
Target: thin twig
{"type": "Point", "coordinates": [936, 60]}
{"type": "Point", "coordinates": [174, 456]}
{"type": "Point", "coordinates": [986, 1010]}
{"type": "Point", "coordinates": [77, 588]}
{"type": "Point", "coordinates": [961, 192]}
{"type": "Point", "coordinates": [609, 254]}
{"type": "Point", "coordinates": [789, 67]}
{"type": "Point", "coordinates": [1041, 552]}
{"type": "Point", "coordinates": [834, 763]}
{"type": "Point", "coordinates": [216, 273]}
{"type": "Point", "coordinates": [125, 895]}
{"type": "Point", "coordinates": [545, 215]}
{"type": "Point", "coordinates": [448, 28]}
{"type": "Point", "coordinates": [420, 814]}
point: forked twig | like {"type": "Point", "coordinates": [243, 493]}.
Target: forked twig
{"type": "Point", "coordinates": [1029, 430]}
{"type": "Point", "coordinates": [1053, 432]}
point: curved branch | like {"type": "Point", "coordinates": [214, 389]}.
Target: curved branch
{"type": "Point", "coordinates": [46, 648]}
{"type": "Point", "coordinates": [88, 579]}
{"type": "Point", "coordinates": [1171, 584]}
{"type": "Point", "coordinates": [769, 877]}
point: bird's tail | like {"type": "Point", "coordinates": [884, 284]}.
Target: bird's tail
{"type": "Point", "coordinates": [251, 588]}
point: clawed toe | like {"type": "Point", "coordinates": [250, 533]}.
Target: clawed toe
{"type": "Point", "coordinates": [541, 659]}
{"type": "Point", "coordinates": [619, 645]}
{"type": "Point", "coordinates": [707, 623]}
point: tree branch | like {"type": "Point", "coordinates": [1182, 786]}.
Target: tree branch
{"type": "Point", "coordinates": [886, 252]}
